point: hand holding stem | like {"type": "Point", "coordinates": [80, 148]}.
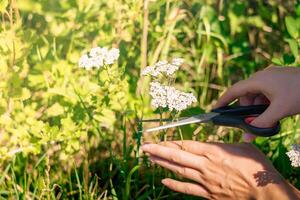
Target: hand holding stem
{"type": "Point", "coordinates": [220, 171]}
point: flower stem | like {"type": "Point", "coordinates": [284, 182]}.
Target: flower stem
{"type": "Point", "coordinates": [91, 117]}
{"type": "Point", "coordinates": [161, 136]}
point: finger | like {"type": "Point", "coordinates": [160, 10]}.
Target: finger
{"type": "Point", "coordinates": [175, 155]}
{"type": "Point", "coordinates": [194, 147]}
{"type": "Point", "coordinates": [261, 99]}
{"type": "Point", "coordinates": [239, 89]}
{"type": "Point", "coordinates": [271, 67]}
{"type": "Point", "coordinates": [186, 188]}
{"type": "Point", "coordinates": [246, 100]}
{"type": "Point", "coordinates": [180, 170]}
{"type": "Point", "coordinates": [270, 117]}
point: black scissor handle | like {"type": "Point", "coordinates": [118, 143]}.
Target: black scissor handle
{"type": "Point", "coordinates": [241, 110]}
{"type": "Point", "coordinates": [236, 116]}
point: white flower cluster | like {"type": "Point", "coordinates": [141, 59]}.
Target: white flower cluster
{"type": "Point", "coordinates": [99, 57]}
{"type": "Point", "coordinates": [163, 67]}
{"type": "Point", "coordinates": [166, 96]}
{"type": "Point", "coordinates": [294, 155]}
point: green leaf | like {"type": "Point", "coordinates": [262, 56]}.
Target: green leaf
{"type": "Point", "coordinates": [155, 6]}
{"type": "Point", "coordinates": [292, 26]}
{"type": "Point", "coordinates": [297, 9]}
{"type": "Point", "coordinates": [55, 110]}
{"type": "Point", "coordinates": [288, 59]}
{"type": "Point", "coordinates": [128, 181]}
{"type": "Point", "coordinates": [277, 61]}
{"type": "Point", "coordinates": [3, 5]}
{"type": "Point", "coordinates": [15, 84]}
{"type": "Point", "coordinates": [2, 110]}
{"type": "Point", "coordinates": [191, 111]}
{"type": "Point", "coordinates": [107, 118]}
{"type": "Point", "coordinates": [293, 46]}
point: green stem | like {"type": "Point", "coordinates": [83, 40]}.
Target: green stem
{"type": "Point", "coordinates": [128, 181]}
{"type": "Point", "coordinates": [108, 75]}
{"type": "Point", "coordinates": [98, 76]}
{"type": "Point", "coordinates": [91, 117]}
{"type": "Point", "coordinates": [161, 136]}
{"type": "Point", "coordinates": [139, 137]}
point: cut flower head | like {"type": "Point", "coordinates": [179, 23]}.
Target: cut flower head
{"type": "Point", "coordinates": [169, 97]}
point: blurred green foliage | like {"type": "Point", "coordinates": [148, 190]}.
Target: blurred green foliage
{"type": "Point", "coordinates": [70, 133]}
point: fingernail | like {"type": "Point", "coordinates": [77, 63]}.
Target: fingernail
{"type": "Point", "coordinates": [247, 137]}
{"type": "Point", "coordinates": [164, 181]}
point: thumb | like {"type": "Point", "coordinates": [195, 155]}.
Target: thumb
{"type": "Point", "coordinates": [269, 118]}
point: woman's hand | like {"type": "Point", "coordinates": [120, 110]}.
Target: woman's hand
{"type": "Point", "coordinates": [220, 171]}
{"type": "Point", "coordinates": [278, 86]}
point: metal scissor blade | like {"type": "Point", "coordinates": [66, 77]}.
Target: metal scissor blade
{"type": "Point", "coordinates": [163, 120]}
{"type": "Point", "coordinates": [156, 120]}
{"type": "Point", "coordinates": [194, 119]}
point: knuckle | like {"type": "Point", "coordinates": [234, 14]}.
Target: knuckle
{"type": "Point", "coordinates": [237, 85]}
{"type": "Point", "coordinates": [213, 196]}
{"type": "Point", "coordinates": [234, 89]}
{"type": "Point", "coordinates": [242, 86]}
{"type": "Point", "coordinates": [218, 151]}
{"type": "Point", "coordinates": [202, 176]}
{"type": "Point", "coordinates": [181, 171]}
{"type": "Point", "coordinates": [260, 75]}
{"type": "Point", "coordinates": [257, 83]}
{"type": "Point", "coordinates": [187, 190]}
{"type": "Point", "coordinates": [176, 158]}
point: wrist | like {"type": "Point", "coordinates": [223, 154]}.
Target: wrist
{"type": "Point", "coordinates": [281, 190]}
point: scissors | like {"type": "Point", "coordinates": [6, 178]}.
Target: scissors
{"type": "Point", "coordinates": [231, 116]}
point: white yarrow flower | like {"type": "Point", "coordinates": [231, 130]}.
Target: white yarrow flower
{"type": "Point", "coordinates": [177, 61]}
{"type": "Point", "coordinates": [166, 96]}
{"type": "Point", "coordinates": [294, 155]}
{"type": "Point", "coordinates": [111, 56]}
{"type": "Point", "coordinates": [163, 67]}
{"type": "Point", "coordinates": [83, 61]}
{"type": "Point", "coordinates": [96, 51]}
{"type": "Point", "coordinates": [98, 57]}
{"type": "Point", "coordinates": [147, 70]}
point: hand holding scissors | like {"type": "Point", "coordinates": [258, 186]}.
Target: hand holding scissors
{"type": "Point", "coordinates": [232, 116]}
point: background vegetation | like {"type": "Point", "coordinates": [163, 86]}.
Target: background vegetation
{"type": "Point", "coordinates": [66, 133]}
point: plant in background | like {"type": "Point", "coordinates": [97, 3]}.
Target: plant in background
{"type": "Point", "coordinates": [110, 94]}
{"type": "Point", "coordinates": [292, 38]}
{"type": "Point", "coordinates": [99, 57]}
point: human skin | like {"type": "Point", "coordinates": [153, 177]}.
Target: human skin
{"type": "Point", "coordinates": [220, 171]}
{"type": "Point", "coordinates": [278, 86]}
